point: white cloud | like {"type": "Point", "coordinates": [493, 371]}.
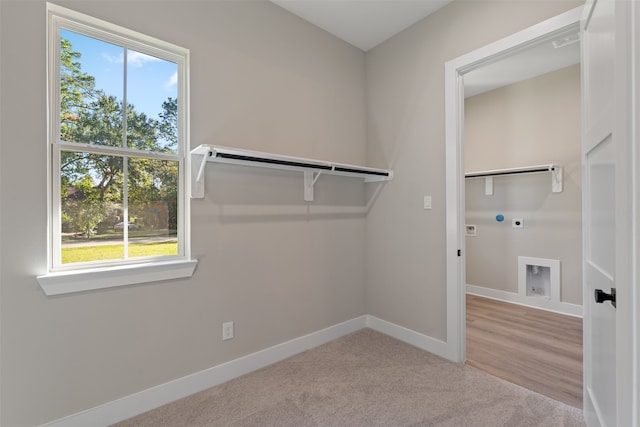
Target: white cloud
{"type": "Point", "coordinates": [113, 59]}
{"type": "Point", "coordinates": [138, 59]}
{"type": "Point", "coordinates": [134, 58]}
{"type": "Point", "coordinates": [173, 80]}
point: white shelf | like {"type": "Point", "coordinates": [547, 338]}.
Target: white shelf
{"type": "Point", "coordinates": [555, 170]}
{"type": "Point", "coordinates": [312, 169]}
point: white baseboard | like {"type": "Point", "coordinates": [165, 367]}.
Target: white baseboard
{"type": "Point", "coordinates": [409, 336]}
{"type": "Point", "coordinates": [135, 404]}
{"type": "Point", "coordinates": [535, 302]}
{"type": "Point", "coordinates": [146, 400]}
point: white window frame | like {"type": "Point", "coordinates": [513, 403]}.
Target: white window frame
{"type": "Point", "coordinates": [66, 278]}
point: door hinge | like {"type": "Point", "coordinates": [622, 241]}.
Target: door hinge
{"type": "Point", "coordinates": [459, 252]}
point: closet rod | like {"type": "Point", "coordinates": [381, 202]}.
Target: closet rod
{"type": "Point", "coordinates": [514, 171]}
{"type": "Point", "coordinates": [270, 161]}
{"type": "Point", "coordinates": [556, 176]}
{"type": "Point", "coordinates": [327, 167]}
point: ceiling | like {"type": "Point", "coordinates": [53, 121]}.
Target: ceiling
{"type": "Point", "coordinates": [367, 23]}
{"type": "Point", "coordinates": [362, 23]}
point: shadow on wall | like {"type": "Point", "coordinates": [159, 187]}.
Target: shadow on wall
{"type": "Point", "coordinates": [239, 194]}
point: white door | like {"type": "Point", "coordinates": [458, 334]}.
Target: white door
{"type": "Point", "coordinates": [599, 198]}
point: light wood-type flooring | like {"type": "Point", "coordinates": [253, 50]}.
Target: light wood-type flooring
{"type": "Point", "coordinates": [536, 349]}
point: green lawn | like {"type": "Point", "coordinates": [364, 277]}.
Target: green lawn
{"type": "Point", "coordinates": [110, 252]}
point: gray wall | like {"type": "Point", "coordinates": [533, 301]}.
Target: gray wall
{"type": "Point", "coordinates": [261, 79]}
{"type": "Point", "coordinates": [406, 280]}
{"type": "Point", "coordinates": [529, 123]}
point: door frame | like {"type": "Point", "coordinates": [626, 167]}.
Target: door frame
{"type": "Point", "coordinates": [626, 131]}
{"type": "Point", "coordinates": [454, 162]}
{"type": "Point", "coordinates": [627, 128]}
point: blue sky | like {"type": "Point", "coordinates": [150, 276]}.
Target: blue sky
{"type": "Point", "coordinates": [150, 80]}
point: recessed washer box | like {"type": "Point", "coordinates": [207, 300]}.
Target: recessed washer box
{"type": "Point", "coordinates": [539, 277]}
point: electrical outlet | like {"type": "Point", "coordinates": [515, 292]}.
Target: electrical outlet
{"type": "Point", "coordinates": [227, 331]}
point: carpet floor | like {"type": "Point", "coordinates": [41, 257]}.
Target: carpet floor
{"type": "Point", "coordinates": [363, 379]}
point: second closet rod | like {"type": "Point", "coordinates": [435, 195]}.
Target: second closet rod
{"type": "Point", "coordinates": [512, 171]}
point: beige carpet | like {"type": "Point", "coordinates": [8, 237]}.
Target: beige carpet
{"type": "Point", "coordinates": [364, 379]}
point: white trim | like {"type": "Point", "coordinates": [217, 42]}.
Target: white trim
{"type": "Point", "coordinates": [65, 282]}
{"type": "Point", "coordinates": [515, 298]}
{"type": "Point", "coordinates": [65, 278]}
{"type": "Point", "coordinates": [625, 131]}
{"type": "Point", "coordinates": [146, 400]}
{"type": "Point", "coordinates": [634, 24]}
{"type": "Point", "coordinates": [454, 105]}
{"type": "Point", "coordinates": [94, 27]}
{"type": "Point", "coordinates": [416, 339]}
{"type": "Point", "coordinates": [454, 176]}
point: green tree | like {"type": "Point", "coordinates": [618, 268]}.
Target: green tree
{"type": "Point", "coordinates": [169, 123]}
{"type": "Point", "coordinates": [84, 209]}
{"type": "Point", "coordinates": [90, 116]}
{"type": "Point", "coordinates": [76, 88]}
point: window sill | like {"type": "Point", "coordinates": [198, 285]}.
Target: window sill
{"type": "Point", "coordinates": [66, 282]}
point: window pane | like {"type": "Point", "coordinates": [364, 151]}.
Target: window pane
{"type": "Point", "coordinates": [115, 150]}
{"type": "Point", "coordinates": [91, 207]}
{"type": "Point", "coordinates": [153, 206]}
{"type": "Point", "coordinates": [152, 93]}
{"type": "Point", "coordinates": [91, 90]}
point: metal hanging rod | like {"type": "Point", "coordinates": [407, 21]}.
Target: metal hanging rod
{"type": "Point", "coordinates": [511, 171]}
{"type": "Point", "coordinates": [222, 155]}
{"type": "Point", "coordinates": [556, 175]}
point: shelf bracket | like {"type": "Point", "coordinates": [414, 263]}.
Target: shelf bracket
{"type": "Point", "coordinates": [197, 174]}
{"type": "Point", "coordinates": [488, 186]}
{"type": "Point", "coordinates": [310, 179]}
{"type": "Point", "coordinates": [557, 179]}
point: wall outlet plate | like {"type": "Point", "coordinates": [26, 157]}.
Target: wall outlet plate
{"type": "Point", "coordinates": [227, 331]}
{"type": "Point", "coordinates": [427, 202]}
{"type": "Point", "coordinates": [470, 230]}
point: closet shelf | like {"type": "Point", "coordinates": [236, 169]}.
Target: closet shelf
{"type": "Point", "coordinates": [312, 169]}
{"type": "Point", "coordinates": [555, 170]}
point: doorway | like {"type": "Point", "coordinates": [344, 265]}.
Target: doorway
{"type": "Point", "coordinates": [457, 72]}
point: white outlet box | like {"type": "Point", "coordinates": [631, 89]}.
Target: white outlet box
{"type": "Point", "coordinates": [517, 223]}
{"type": "Point", "coordinates": [227, 331]}
{"type": "Point", "coordinates": [470, 230]}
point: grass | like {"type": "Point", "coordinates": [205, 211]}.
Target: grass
{"type": "Point", "coordinates": [117, 235]}
{"type": "Point", "coordinates": [112, 252]}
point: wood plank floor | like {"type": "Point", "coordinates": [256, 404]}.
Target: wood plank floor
{"type": "Point", "coordinates": [536, 349]}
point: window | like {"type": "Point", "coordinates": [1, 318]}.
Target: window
{"type": "Point", "coordinates": [117, 148]}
